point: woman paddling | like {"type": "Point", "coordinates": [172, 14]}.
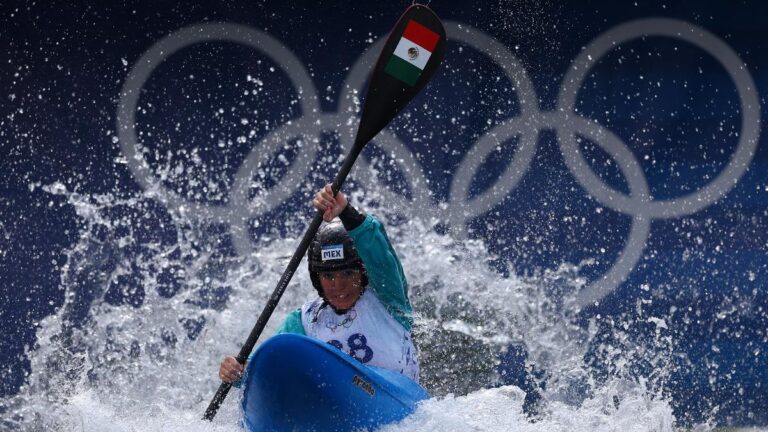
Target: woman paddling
{"type": "Point", "coordinates": [363, 307]}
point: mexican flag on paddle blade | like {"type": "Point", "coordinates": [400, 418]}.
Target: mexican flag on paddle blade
{"type": "Point", "coordinates": [410, 57]}
{"type": "Point", "coordinates": [412, 53]}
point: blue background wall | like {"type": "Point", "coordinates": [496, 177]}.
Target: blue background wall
{"type": "Point", "coordinates": [668, 102]}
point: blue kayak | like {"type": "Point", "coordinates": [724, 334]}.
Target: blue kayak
{"type": "Point", "coordinates": [296, 383]}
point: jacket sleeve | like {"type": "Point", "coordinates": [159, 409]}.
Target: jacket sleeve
{"type": "Point", "coordinates": [292, 323]}
{"type": "Point", "coordinates": [385, 273]}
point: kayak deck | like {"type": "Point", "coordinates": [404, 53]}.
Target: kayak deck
{"type": "Point", "coordinates": [294, 382]}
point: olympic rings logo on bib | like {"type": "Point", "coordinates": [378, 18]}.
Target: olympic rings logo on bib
{"type": "Point", "coordinates": [460, 208]}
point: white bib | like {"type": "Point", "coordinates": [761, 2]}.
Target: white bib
{"type": "Point", "coordinates": [366, 332]}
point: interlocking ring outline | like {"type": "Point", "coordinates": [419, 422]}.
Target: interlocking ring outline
{"type": "Point", "coordinates": [564, 120]}
{"type": "Point", "coordinates": [164, 49]}
{"type": "Point", "coordinates": [750, 124]}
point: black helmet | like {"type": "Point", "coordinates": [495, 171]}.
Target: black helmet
{"type": "Point", "coordinates": [332, 249]}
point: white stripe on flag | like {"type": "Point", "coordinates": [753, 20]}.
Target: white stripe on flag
{"type": "Point", "coordinates": [422, 55]}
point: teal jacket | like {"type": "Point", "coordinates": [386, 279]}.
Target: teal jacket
{"type": "Point", "coordinates": [385, 275]}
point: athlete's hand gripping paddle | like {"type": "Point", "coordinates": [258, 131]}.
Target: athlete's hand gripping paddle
{"type": "Point", "coordinates": [408, 60]}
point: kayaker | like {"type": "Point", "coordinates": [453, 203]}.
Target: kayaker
{"type": "Point", "coordinates": [363, 307]}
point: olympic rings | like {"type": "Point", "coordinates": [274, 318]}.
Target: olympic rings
{"type": "Point", "coordinates": [141, 71]}
{"type": "Point", "coordinates": [750, 109]}
{"type": "Point", "coordinates": [460, 208]}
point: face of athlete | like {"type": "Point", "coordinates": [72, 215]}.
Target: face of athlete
{"type": "Point", "coordinates": [342, 288]}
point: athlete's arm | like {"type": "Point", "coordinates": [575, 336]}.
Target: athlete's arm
{"type": "Point", "coordinates": [385, 273]}
{"type": "Point", "coordinates": [292, 323]}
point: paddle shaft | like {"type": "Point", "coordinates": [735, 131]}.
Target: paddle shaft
{"type": "Point", "coordinates": [285, 279]}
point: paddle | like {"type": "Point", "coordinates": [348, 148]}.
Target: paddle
{"type": "Point", "coordinates": [408, 60]}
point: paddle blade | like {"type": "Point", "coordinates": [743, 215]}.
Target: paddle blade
{"type": "Point", "coordinates": [410, 57]}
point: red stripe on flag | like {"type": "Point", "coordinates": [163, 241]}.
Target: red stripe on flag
{"type": "Point", "coordinates": [423, 36]}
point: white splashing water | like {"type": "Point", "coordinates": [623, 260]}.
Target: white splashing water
{"type": "Point", "coordinates": [101, 365]}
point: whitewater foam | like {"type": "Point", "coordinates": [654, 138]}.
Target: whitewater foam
{"type": "Point", "coordinates": [147, 359]}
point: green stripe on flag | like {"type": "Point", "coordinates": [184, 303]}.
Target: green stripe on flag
{"type": "Point", "coordinates": [402, 70]}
